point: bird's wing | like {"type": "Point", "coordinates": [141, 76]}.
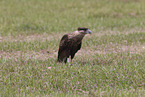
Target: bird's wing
{"type": "Point", "coordinates": [79, 46]}
{"type": "Point", "coordinates": [63, 43]}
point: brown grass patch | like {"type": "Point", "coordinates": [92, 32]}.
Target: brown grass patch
{"type": "Point", "coordinates": [45, 54]}
{"type": "Point", "coordinates": [112, 48]}
{"type": "Point", "coordinates": [29, 38]}
{"type": "Point", "coordinates": [41, 55]}
{"type": "Point", "coordinates": [46, 36]}
{"type": "Point", "coordinates": [110, 32]}
{"type": "Point", "coordinates": [100, 49]}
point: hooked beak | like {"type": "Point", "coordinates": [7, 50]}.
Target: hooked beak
{"type": "Point", "coordinates": [89, 31]}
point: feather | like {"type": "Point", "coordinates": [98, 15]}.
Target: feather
{"type": "Point", "coordinates": [70, 43]}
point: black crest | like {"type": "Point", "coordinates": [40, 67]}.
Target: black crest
{"type": "Point", "coordinates": [82, 28]}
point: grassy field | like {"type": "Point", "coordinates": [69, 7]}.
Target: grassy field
{"type": "Point", "coordinates": [111, 62]}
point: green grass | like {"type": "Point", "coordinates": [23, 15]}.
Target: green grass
{"type": "Point", "coordinates": [111, 62]}
{"type": "Point", "coordinates": [107, 73]}
{"type": "Point", "coordinates": [34, 16]}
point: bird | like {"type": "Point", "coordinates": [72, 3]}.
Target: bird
{"type": "Point", "coordinates": [70, 43]}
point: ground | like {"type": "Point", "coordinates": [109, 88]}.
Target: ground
{"type": "Point", "coordinates": [110, 63]}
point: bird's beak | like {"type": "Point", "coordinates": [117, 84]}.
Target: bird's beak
{"type": "Point", "coordinates": [89, 31]}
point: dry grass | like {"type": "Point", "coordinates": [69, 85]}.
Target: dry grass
{"type": "Point", "coordinates": [46, 53]}
{"type": "Point", "coordinates": [112, 48]}
{"type": "Point", "coordinates": [100, 49]}
{"type": "Point", "coordinates": [46, 36]}
{"type": "Point", "coordinates": [29, 38]}
{"type": "Point", "coordinates": [16, 55]}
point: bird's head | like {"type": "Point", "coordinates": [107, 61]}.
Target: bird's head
{"type": "Point", "coordinates": [84, 30]}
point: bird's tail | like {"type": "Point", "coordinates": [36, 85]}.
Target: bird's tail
{"type": "Point", "coordinates": [62, 56]}
{"type": "Point", "coordinates": [62, 60]}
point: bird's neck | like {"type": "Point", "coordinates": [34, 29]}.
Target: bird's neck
{"type": "Point", "coordinates": [76, 36]}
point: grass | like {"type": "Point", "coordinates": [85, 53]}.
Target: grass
{"type": "Point", "coordinates": [110, 64]}
{"type": "Point", "coordinates": [106, 73]}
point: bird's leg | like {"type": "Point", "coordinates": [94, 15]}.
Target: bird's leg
{"type": "Point", "coordinates": [68, 59]}
{"type": "Point", "coordinates": [70, 63]}
{"type": "Point", "coordinates": [65, 60]}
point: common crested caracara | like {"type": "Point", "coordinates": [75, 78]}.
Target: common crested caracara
{"type": "Point", "coordinates": [71, 43]}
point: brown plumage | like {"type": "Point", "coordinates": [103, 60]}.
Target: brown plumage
{"type": "Point", "coordinates": [71, 43]}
